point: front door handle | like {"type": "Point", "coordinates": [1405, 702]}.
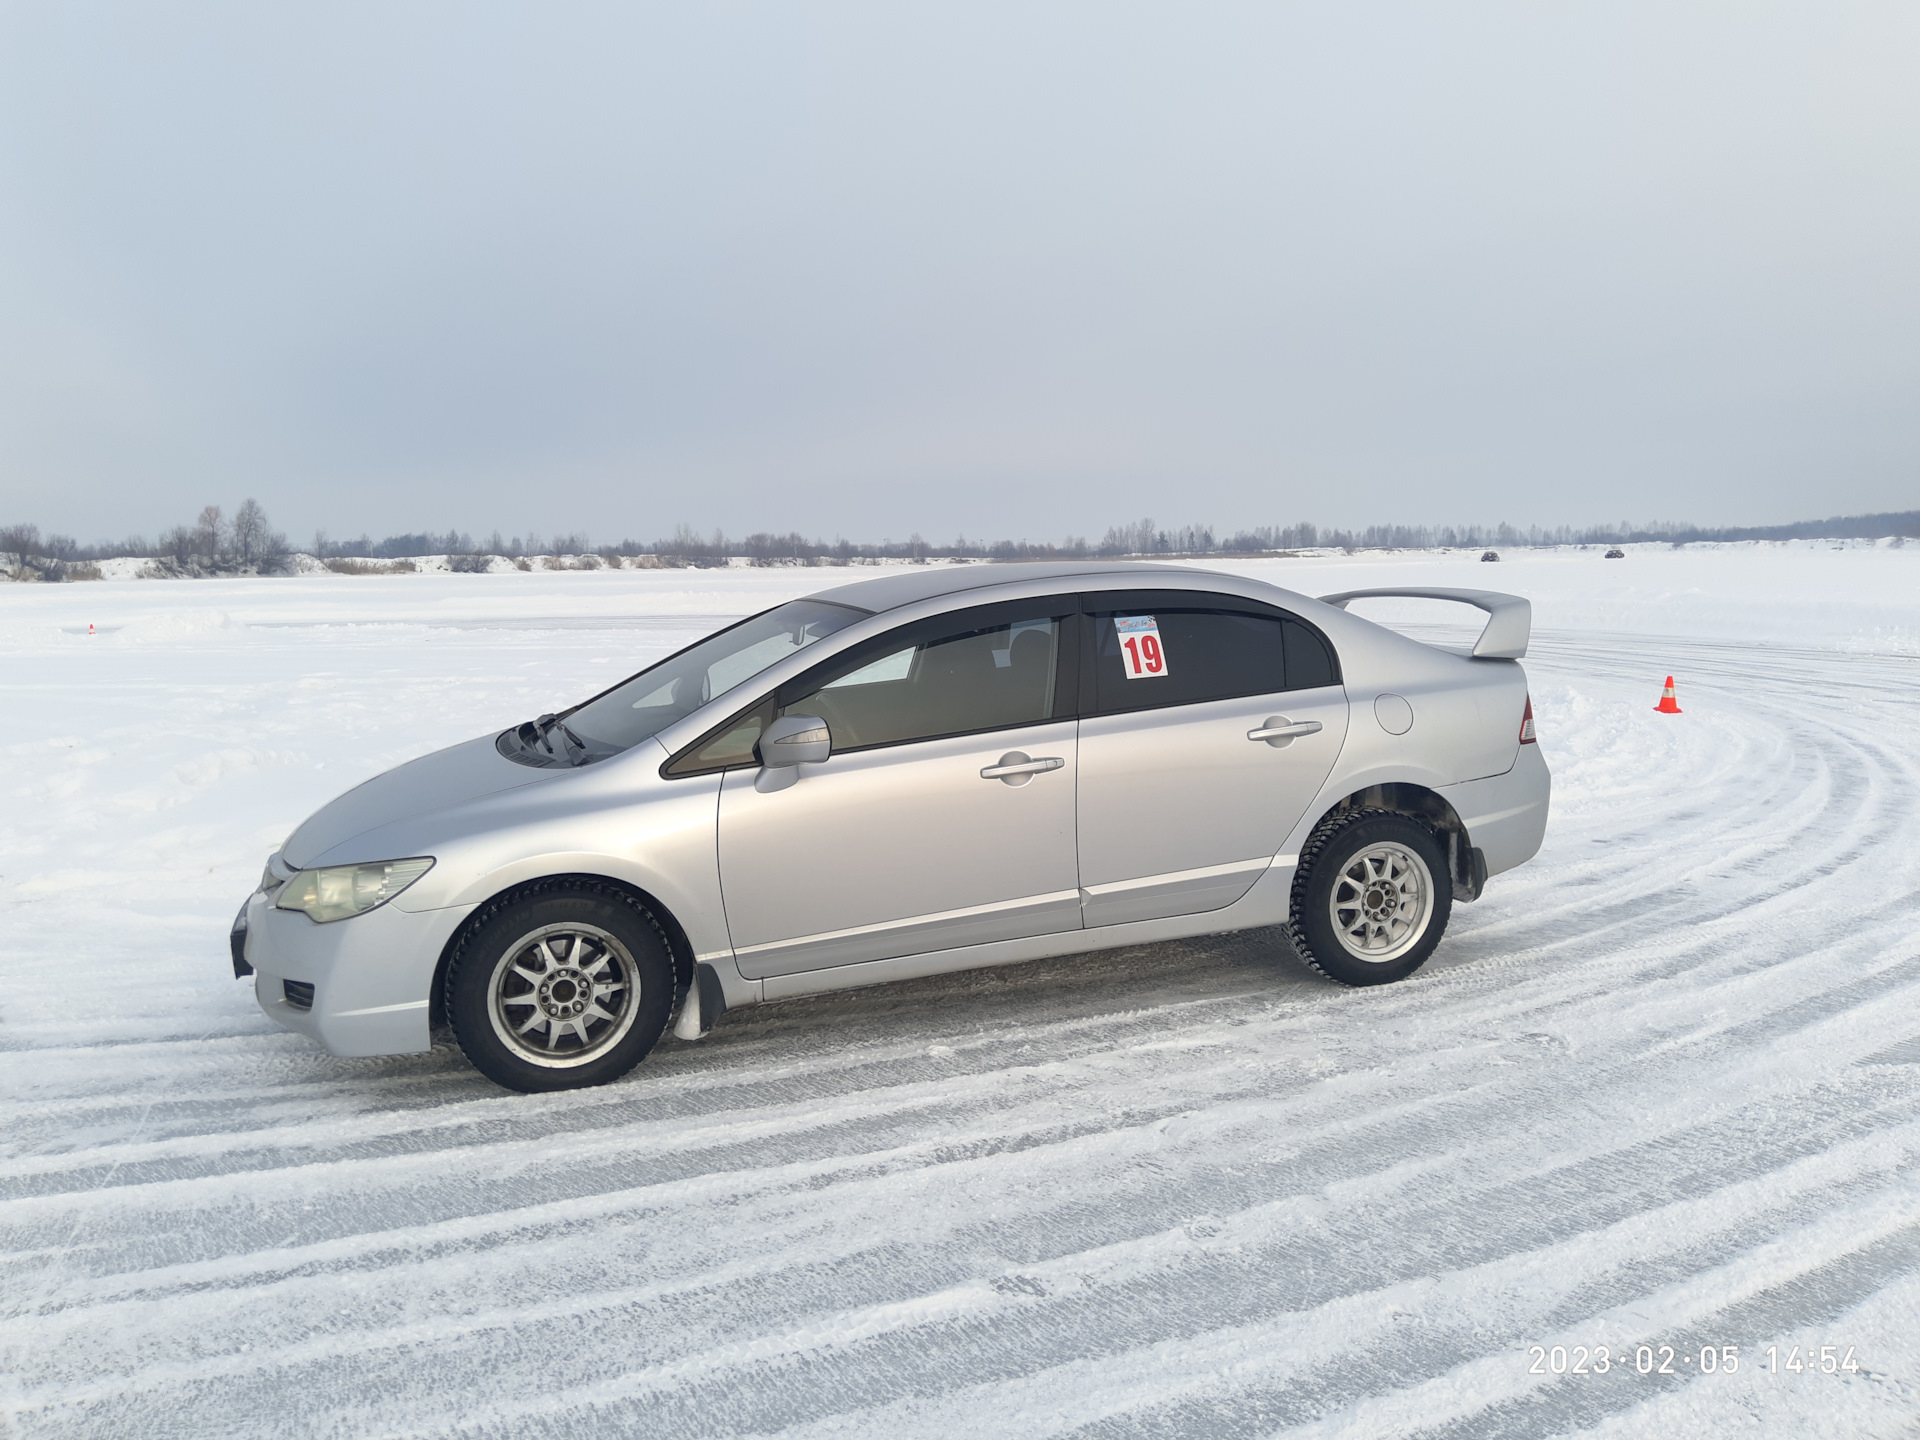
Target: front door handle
{"type": "Point", "coordinates": [1016, 769]}
{"type": "Point", "coordinates": [1278, 731]}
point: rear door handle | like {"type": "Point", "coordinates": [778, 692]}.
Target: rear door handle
{"type": "Point", "coordinates": [1014, 767]}
{"type": "Point", "coordinates": [1278, 730]}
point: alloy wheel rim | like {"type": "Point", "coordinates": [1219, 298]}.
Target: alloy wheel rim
{"type": "Point", "coordinates": [563, 995]}
{"type": "Point", "coordinates": [1381, 902]}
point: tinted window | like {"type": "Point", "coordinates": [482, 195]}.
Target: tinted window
{"type": "Point", "coordinates": [1180, 655]}
{"type": "Point", "coordinates": [1309, 660]}
{"type": "Point", "coordinates": [985, 669]}
{"type": "Point", "coordinates": [729, 745]}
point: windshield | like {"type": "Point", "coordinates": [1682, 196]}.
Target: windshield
{"type": "Point", "coordinates": [679, 685]}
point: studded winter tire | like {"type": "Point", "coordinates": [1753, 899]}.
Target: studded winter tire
{"type": "Point", "coordinates": [561, 988]}
{"type": "Point", "coordinates": [1371, 897]}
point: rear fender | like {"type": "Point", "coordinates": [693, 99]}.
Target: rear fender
{"type": "Point", "coordinates": [1467, 868]}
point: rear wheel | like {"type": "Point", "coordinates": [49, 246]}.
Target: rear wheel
{"type": "Point", "coordinates": [561, 988]}
{"type": "Point", "coordinates": [1371, 898]}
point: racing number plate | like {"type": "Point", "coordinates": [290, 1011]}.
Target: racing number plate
{"type": "Point", "coordinates": [1141, 653]}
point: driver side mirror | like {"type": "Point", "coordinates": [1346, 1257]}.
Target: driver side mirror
{"type": "Point", "coordinates": [790, 742]}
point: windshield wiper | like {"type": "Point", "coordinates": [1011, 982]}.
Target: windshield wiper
{"type": "Point", "coordinates": [575, 741]}
{"type": "Point", "coordinates": [535, 732]}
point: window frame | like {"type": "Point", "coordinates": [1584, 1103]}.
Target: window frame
{"type": "Point", "coordinates": [1094, 603]}
{"type": "Point", "coordinates": [1063, 605]}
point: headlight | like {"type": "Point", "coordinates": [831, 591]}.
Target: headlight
{"type": "Point", "coordinates": [342, 890]}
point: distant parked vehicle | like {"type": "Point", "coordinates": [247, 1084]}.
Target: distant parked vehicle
{"type": "Point", "coordinates": [1616, 554]}
{"type": "Point", "coordinates": [920, 773]}
{"type": "Point", "coordinates": [1489, 555]}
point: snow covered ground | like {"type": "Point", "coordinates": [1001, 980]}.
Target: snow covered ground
{"type": "Point", "coordinates": [1661, 1086]}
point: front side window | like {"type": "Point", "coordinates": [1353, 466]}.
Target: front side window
{"type": "Point", "coordinates": [1170, 648]}
{"type": "Point", "coordinates": [668, 692]}
{"type": "Point", "coordinates": [985, 669]}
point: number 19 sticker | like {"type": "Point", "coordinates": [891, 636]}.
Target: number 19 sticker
{"type": "Point", "coordinates": [1141, 654]}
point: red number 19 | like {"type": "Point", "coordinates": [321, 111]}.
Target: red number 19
{"type": "Point", "coordinates": [1145, 653]}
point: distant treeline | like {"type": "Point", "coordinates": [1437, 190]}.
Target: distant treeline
{"type": "Point", "coordinates": [1143, 537]}
{"type": "Point", "coordinates": [214, 544]}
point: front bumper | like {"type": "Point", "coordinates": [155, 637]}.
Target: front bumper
{"type": "Point", "coordinates": [371, 975]}
{"type": "Point", "coordinates": [237, 943]}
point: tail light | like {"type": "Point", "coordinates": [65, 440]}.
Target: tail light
{"type": "Point", "coordinates": [1527, 737]}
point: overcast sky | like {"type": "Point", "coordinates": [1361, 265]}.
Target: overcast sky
{"type": "Point", "coordinates": [1006, 270]}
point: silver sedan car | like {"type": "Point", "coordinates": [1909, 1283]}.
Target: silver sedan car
{"type": "Point", "coordinates": [930, 771]}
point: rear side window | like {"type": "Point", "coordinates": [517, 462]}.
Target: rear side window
{"type": "Point", "coordinates": [1171, 648]}
{"type": "Point", "coordinates": [1309, 659]}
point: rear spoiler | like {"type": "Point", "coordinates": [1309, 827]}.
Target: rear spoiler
{"type": "Point", "coordinates": [1509, 617]}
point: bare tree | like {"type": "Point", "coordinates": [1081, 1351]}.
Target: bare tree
{"type": "Point", "coordinates": [178, 543]}
{"type": "Point", "coordinates": [250, 531]}
{"type": "Point", "coordinates": [209, 531]}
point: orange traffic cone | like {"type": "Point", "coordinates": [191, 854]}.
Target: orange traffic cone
{"type": "Point", "coordinates": [1668, 704]}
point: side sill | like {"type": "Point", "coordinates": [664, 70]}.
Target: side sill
{"type": "Point", "coordinates": [1267, 903]}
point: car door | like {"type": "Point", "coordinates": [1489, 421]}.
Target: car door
{"type": "Point", "coordinates": [944, 816]}
{"type": "Point", "coordinates": [1186, 791]}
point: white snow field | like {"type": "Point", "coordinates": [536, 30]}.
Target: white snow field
{"type": "Point", "coordinates": [1660, 1087]}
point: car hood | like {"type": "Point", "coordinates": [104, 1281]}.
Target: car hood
{"type": "Point", "coordinates": [435, 782]}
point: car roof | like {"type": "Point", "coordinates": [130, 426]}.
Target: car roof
{"type": "Point", "coordinates": [889, 592]}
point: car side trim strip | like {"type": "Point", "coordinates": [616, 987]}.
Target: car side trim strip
{"type": "Point", "coordinates": [1176, 892]}
{"type": "Point", "coordinates": [972, 925]}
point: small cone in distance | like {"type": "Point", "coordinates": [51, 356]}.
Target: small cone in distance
{"type": "Point", "coordinates": [1668, 704]}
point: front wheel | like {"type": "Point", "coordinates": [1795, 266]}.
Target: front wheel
{"type": "Point", "coordinates": [1371, 898]}
{"type": "Point", "coordinates": [561, 988]}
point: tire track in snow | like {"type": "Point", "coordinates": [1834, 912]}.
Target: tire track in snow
{"type": "Point", "coordinates": [1635, 1066]}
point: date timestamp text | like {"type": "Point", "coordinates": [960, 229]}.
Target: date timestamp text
{"type": "Point", "coordinates": [1689, 1360]}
